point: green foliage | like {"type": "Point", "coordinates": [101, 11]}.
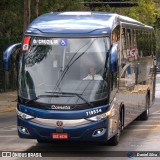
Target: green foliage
{"type": "Point", "coordinates": [60, 5]}
{"type": "Point", "coordinates": [147, 11]}
{"type": "Point", "coordinates": [11, 22]}
{"type": "Point", "coordinates": [144, 12]}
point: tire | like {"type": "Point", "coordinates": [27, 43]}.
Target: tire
{"type": "Point", "coordinates": [144, 116]}
{"type": "Point", "coordinates": [115, 139]}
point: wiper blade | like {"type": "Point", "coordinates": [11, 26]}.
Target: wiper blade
{"type": "Point", "coordinates": [71, 62]}
{"type": "Point", "coordinates": [71, 94]}
{"type": "Point", "coordinates": [42, 96]}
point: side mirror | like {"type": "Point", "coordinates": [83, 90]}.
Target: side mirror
{"type": "Point", "coordinates": [114, 58]}
{"type": "Point", "coordinates": [7, 55]}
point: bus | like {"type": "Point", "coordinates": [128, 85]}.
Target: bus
{"type": "Point", "coordinates": [83, 76]}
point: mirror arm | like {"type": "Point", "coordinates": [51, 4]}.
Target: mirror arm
{"type": "Point", "coordinates": [7, 55]}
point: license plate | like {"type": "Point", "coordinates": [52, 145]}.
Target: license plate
{"type": "Point", "coordinates": [60, 136]}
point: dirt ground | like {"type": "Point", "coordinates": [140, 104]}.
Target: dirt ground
{"type": "Point", "coordinates": [8, 101]}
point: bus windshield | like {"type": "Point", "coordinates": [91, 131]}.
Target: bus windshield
{"type": "Point", "coordinates": [75, 67]}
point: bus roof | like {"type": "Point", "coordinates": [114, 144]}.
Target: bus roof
{"type": "Point", "coordinates": [88, 23]}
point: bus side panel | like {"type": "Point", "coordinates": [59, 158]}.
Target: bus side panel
{"type": "Point", "coordinates": [145, 80]}
{"type": "Point", "coordinates": [135, 70]}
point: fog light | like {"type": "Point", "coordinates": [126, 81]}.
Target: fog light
{"type": "Point", "coordinates": [23, 129]}
{"type": "Point", "coordinates": [98, 132]}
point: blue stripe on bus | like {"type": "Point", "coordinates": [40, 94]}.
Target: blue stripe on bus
{"type": "Point", "coordinates": [56, 114]}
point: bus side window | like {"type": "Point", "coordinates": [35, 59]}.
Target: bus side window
{"type": "Point", "coordinates": [128, 38]}
{"type": "Point", "coordinates": [123, 44]}
{"type": "Point", "coordinates": [123, 35]}
{"type": "Point", "coordinates": [148, 40]}
{"type": "Point", "coordinates": [139, 43]}
{"type": "Point", "coordinates": [153, 43]}
{"type": "Point", "coordinates": [134, 41]}
{"type": "Point", "coordinates": [150, 43]}
{"type": "Point", "coordinates": [145, 43]}
{"type": "Point", "coordinates": [116, 34]}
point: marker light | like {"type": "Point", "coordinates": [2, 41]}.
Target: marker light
{"type": "Point", "coordinates": [23, 129]}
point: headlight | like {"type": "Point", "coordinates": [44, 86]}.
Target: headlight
{"type": "Point", "coordinates": [109, 113]}
{"type": "Point", "coordinates": [24, 115]}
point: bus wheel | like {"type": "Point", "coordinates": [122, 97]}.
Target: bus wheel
{"type": "Point", "coordinates": [144, 116]}
{"type": "Point", "coordinates": [115, 139]}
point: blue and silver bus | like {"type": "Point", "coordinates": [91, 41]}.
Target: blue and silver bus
{"type": "Point", "coordinates": [83, 76]}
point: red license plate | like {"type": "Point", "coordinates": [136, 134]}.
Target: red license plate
{"type": "Point", "coordinates": [60, 136]}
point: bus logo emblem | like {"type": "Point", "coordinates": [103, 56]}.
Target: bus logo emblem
{"type": "Point", "coordinates": [59, 123]}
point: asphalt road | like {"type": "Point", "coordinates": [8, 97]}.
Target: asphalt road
{"type": "Point", "coordinates": [138, 136]}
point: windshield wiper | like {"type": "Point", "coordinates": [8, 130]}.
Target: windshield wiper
{"type": "Point", "coordinates": [42, 96]}
{"type": "Point", "coordinates": [70, 63]}
{"type": "Point", "coordinates": [70, 94]}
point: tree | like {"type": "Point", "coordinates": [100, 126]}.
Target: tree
{"type": "Point", "coordinates": [37, 8]}
{"type": "Point", "coordinates": [11, 23]}
{"type": "Point", "coordinates": [146, 11]}
{"type": "Point", "coordinates": [27, 14]}
{"type": "Point", "coordinates": [60, 5]}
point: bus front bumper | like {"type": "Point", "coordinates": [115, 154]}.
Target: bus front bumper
{"type": "Point", "coordinates": [92, 131]}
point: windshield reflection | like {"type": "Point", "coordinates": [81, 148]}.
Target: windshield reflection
{"type": "Point", "coordinates": [62, 65]}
